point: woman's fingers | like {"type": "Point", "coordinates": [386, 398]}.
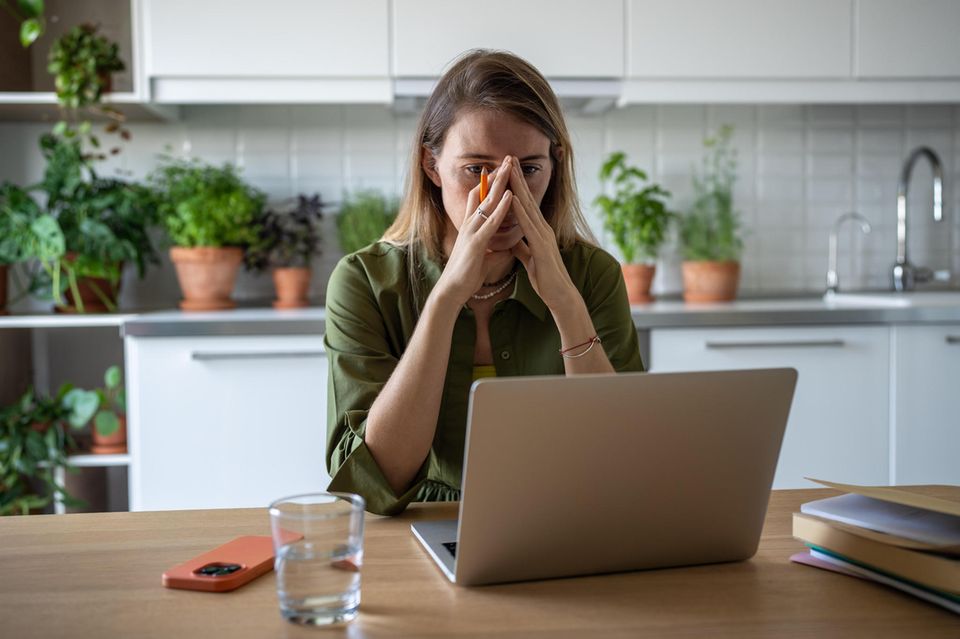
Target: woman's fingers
{"type": "Point", "coordinates": [501, 179]}
{"type": "Point", "coordinates": [523, 253]}
{"type": "Point", "coordinates": [495, 219]}
{"type": "Point", "coordinates": [530, 204]}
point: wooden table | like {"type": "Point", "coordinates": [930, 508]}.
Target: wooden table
{"type": "Point", "coordinates": [98, 575]}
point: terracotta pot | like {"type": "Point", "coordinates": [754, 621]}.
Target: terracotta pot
{"type": "Point", "coordinates": [710, 281]}
{"type": "Point", "coordinates": [638, 278]}
{"type": "Point", "coordinates": [91, 290]}
{"type": "Point", "coordinates": [292, 284]}
{"type": "Point", "coordinates": [112, 444]}
{"type": "Point", "coordinates": [3, 289]}
{"type": "Point", "coordinates": [206, 275]}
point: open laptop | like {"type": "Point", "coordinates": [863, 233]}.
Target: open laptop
{"type": "Point", "coordinates": [589, 474]}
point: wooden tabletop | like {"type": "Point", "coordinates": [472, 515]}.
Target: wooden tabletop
{"type": "Point", "coordinates": [98, 575]}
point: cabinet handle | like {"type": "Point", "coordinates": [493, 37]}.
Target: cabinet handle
{"type": "Point", "coordinates": [953, 339]}
{"type": "Point", "coordinates": [208, 356]}
{"type": "Point", "coordinates": [812, 343]}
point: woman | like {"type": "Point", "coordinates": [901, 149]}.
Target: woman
{"type": "Point", "coordinates": [457, 290]}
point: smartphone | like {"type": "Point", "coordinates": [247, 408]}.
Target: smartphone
{"type": "Point", "coordinates": [224, 568]}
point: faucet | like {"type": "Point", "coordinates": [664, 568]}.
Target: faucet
{"type": "Point", "coordinates": [905, 274]}
{"type": "Point", "coordinates": [833, 281]}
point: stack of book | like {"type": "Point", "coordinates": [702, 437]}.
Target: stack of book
{"type": "Point", "coordinates": [907, 537]}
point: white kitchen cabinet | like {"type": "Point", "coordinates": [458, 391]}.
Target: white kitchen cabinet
{"type": "Point", "coordinates": [927, 404]}
{"type": "Point", "coordinates": [908, 39]}
{"type": "Point", "coordinates": [220, 422]}
{"type": "Point", "coordinates": [737, 39]}
{"type": "Point", "coordinates": [562, 38]}
{"type": "Point", "coordinates": [281, 51]}
{"type": "Point", "coordinates": [839, 422]}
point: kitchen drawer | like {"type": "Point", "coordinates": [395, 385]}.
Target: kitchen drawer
{"type": "Point", "coordinates": [218, 422]}
{"type": "Point", "coordinates": [839, 422]}
{"type": "Point", "coordinates": [926, 443]}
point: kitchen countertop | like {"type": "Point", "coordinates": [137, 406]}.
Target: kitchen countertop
{"type": "Point", "coordinates": [854, 308]}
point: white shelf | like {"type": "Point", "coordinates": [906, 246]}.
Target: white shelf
{"type": "Point", "coordinates": [42, 106]}
{"type": "Point", "coordinates": [64, 320]}
{"type": "Point", "coordinates": [89, 460]}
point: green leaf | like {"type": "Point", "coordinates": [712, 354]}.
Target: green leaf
{"type": "Point", "coordinates": [81, 405]}
{"type": "Point", "coordinates": [112, 377]}
{"type": "Point", "coordinates": [30, 30]}
{"type": "Point", "coordinates": [31, 8]}
{"type": "Point", "coordinates": [107, 423]}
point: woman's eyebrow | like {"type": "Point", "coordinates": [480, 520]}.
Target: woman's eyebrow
{"type": "Point", "coordinates": [480, 156]}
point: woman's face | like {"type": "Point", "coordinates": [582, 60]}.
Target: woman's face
{"type": "Point", "coordinates": [483, 138]}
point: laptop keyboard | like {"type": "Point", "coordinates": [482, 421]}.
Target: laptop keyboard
{"type": "Point", "coordinates": [451, 546]}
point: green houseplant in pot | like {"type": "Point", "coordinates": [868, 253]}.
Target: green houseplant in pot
{"type": "Point", "coordinates": [289, 239]}
{"type": "Point", "coordinates": [105, 223]}
{"type": "Point", "coordinates": [27, 232]}
{"type": "Point", "coordinates": [35, 438]}
{"type": "Point", "coordinates": [710, 231]}
{"type": "Point", "coordinates": [363, 218]}
{"type": "Point", "coordinates": [110, 421]}
{"type": "Point", "coordinates": [82, 63]}
{"type": "Point", "coordinates": [637, 218]}
{"type": "Point", "coordinates": [212, 216]}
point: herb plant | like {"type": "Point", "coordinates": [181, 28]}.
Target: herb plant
{"type": "Point", "coordinates": [288, 238]}
{"type": "Point", "coordinates": [205, 205]}
{"type": "Point", "coordinates": [636, 216]}
{"type": "Point", "coordinates": [710, 231]}
{"type": "Point", "coordinates": [363, 218]}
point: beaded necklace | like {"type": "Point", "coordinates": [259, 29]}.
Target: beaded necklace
{"type": "Point", "coordinates": [506, 282]}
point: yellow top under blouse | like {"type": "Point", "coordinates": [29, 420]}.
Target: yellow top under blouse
{"type": "Point", "coordinates": [479, 372]}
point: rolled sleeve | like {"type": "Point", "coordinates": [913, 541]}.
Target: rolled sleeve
{"type": "Point", "coordinates": [361, 361]}
{"type": "Point", "coordinates": [606, 297]}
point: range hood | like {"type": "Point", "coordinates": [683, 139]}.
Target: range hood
{"type": "Point", "coordinates": [581, 97]}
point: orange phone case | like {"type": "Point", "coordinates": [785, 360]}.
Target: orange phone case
{"type": "Point", "coordinates": [254, 555]}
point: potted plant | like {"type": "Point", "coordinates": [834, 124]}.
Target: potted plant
{"type": "Point", "coordinates": [34, 440]}
{"type": "Point", "coordinates": [110, 422]}
{"type": "Point", "coordinates": [26, 233]}
{"type": "Point", "coordinates": [637, 217]}
{"type": "Point", "coordinates": [710, 231]}
{"type": "Point", "coordinates": [82, 62]}
{"type": "Point", "coordinates": [364, 217]}
{"type": "Point", "coordinates": [105, 223]}
{"type": "Point", "coordinates": [289, 239]}
{"type": "Point", "coordinates": [211, 216]}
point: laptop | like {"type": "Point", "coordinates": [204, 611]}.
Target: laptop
{"type": "Point", "coordinates": [567, 476]}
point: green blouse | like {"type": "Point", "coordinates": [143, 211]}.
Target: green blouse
{"type": "Point", "coordinates": [370, 319]}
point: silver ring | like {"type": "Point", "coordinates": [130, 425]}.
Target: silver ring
{"type": "Point", "coordinates": [481, 213]}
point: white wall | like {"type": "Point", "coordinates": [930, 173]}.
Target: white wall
{"type": "Point", "coordinates": [800, 168]}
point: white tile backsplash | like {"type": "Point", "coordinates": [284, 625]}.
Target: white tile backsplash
{"type": "Point", "coordinates": [800, 167]}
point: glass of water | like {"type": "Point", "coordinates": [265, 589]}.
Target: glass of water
{"type": "Point", "coordinates": [318, 540]}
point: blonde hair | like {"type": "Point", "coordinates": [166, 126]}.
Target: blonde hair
{"type": "Point", "coordinates": [503, 82]}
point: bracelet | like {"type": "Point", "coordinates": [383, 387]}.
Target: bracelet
{"type": "Point", "coordinates": [589, 344]}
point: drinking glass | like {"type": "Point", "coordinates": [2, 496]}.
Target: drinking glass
{"type": "Point", "coordinates": [318, 540]}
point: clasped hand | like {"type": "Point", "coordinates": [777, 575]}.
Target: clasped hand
{"type": "Point", "coordinates": [537, 249]}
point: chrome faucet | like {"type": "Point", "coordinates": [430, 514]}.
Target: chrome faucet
{"type": "Point", "coordinates": [905, 274]}
{"type": "Point", "coordinates": [833, 281]}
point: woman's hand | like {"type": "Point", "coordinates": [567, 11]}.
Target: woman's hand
{"type": "Point", "coordinates": [538, 251]}
{"type": "Point", "coordinates": [469, 259]}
